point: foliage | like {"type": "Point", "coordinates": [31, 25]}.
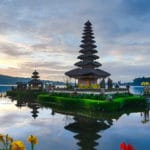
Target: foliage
{"type": "Point", "coordinates": [110, 83]}
{"type": "Point", "coordinates": [117, 95]}
{"type": "Point", "coordinates": [102, 84]}
{"type": "Point", "coordinates": [9, 144]}
{"type": "Point", "coordinates": [82, 96]}
{"type": "Point", "coordinates": [94, 105]}
{"type": "Point", "coordinates": [68, 84]}
{"type": "Point", "coordinates": [29, 94]}
{"type": "Point", "coordinates": [117, 86]}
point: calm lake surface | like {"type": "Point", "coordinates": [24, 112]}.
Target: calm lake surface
{"type": "Point", "coordinates": [60, 130]}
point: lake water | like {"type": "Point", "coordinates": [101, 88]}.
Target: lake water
{"type": "Point", "coordinates": [4, 88]}
{"type": "Point", "coordinates": [60, 130]}
{"type": "Point", "coordinates": [139, 90]}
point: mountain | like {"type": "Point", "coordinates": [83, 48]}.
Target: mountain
{"type": "Point", "coordinates": [138, 81]}
{"type": "Point", "coordinates": [4, 79]}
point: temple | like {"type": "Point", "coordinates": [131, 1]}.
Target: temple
{"type": "Point", "coordinates": [87, 72]}
{"type": "Point", "coordinates": [35, 83]}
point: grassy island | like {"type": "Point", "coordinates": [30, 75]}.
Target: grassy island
{"type": "Point", "coordinates": [93, 102]}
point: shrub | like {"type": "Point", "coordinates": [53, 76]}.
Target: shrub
{"type": "Point", "coordinates": [95, 105]}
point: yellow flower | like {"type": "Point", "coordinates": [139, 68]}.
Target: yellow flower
{"type": "Point", "coordinates": [18, 145]}
{"type": "Point", "coordinates": [1, 137]}
{"type": "Point", "coordinates": [32, 139]}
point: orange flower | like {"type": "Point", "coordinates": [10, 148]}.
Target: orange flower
{"type": "Point", "coordinates": [18, 145]}
{"type": "Point", "coordinates": [32, 139]}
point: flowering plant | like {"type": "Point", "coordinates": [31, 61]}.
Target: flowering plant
{"type": "Point", "coordinates": [124, 146]}
{"type": "Point", "coordinates": [33, 140]}
{"type": "Point", "coordinates": [9, 144]}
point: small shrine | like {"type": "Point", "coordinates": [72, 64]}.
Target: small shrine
{"type": "Point", "coordinates": [21, 86]}
{"type": "Point", "coordinates": [87, 72]}
{"type": "Point", "coordinates": [35, 83]}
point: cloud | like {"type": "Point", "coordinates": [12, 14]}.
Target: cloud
{"type": "Point", "coordinates": [12, 50]}
{"type": "Point", "coordinates": [124, 72]}
{"type": "Point", "coordinates": [48, 33]}
{"type": "Point", "coordinates": [136, 7]}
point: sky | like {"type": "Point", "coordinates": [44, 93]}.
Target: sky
{"type": "Point", "coordinates": [45, 35]}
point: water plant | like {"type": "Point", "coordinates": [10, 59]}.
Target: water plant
{"type": "Point", "coordinates": [9, 144]}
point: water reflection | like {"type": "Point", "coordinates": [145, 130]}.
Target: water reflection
{"type": "Point", "coordinates": [145, 116]}
{"type": "Point", "coordinates": [30, 104]}
{"type": "Point", "coordinates": [87, 130]}
{"type": "Point", "coordinates": [86, 127]}
{"type": "Point", "coordinates": [34, 107]}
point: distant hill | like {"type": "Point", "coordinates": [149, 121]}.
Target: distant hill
{"type": "Point", "coordinates": [138, 81]}
{"type": "Point", "coordinates": [4, 79]}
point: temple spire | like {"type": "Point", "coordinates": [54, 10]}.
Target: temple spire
{"type": "Point", "coordinates": [87, 71]}
{"type": "Point", "coordinates": [88, 50]}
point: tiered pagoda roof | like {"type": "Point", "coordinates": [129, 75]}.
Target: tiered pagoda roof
{"type": "Point", "coordinates": [87, 65]}
{"type": "Point", "coordinates": [35, 75]}
{"type": "Point", "coordinates": [35, 78]}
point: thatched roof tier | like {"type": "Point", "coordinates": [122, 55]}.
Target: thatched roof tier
{"type": "Point", "coordinates": [35, 72]}
{"type": "Point", "coordinates": [87, 50]}
{"type": "Point", "coordinates": [88, 33]}
{"type": "Point", "coordinates": [88, 40]}
{"type": "Point", "coordinates": [89, 64]}
{"type": "Point", "coordinates": [88, 57]}
{"type": "Point", "coordinates": [88, 45]}
{"type": "Point", "coordinates": [35, 75]}
{"type": "Point", "coordinates": [87, 36]}
{"type": "Point", "coordinates": [78, 73]}
{"type": "Point", "coordinates": [88, 30]}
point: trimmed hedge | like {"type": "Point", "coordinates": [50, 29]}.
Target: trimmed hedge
{"type": "Point", "coordinates": [95, 105]}
{"type": "Point", "coordinates": [25, 94]}
{"type": "Point", "coordinates": [81, 96]}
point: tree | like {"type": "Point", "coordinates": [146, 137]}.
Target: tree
{"type": "Point", "coordinates": [102, 83]}
{"type": "Point", "coordinates": [117, 87]}
{"type": "Point", "coordinates": [68, 85]}
{"type": "Point", "coordinates": [110, 84]}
